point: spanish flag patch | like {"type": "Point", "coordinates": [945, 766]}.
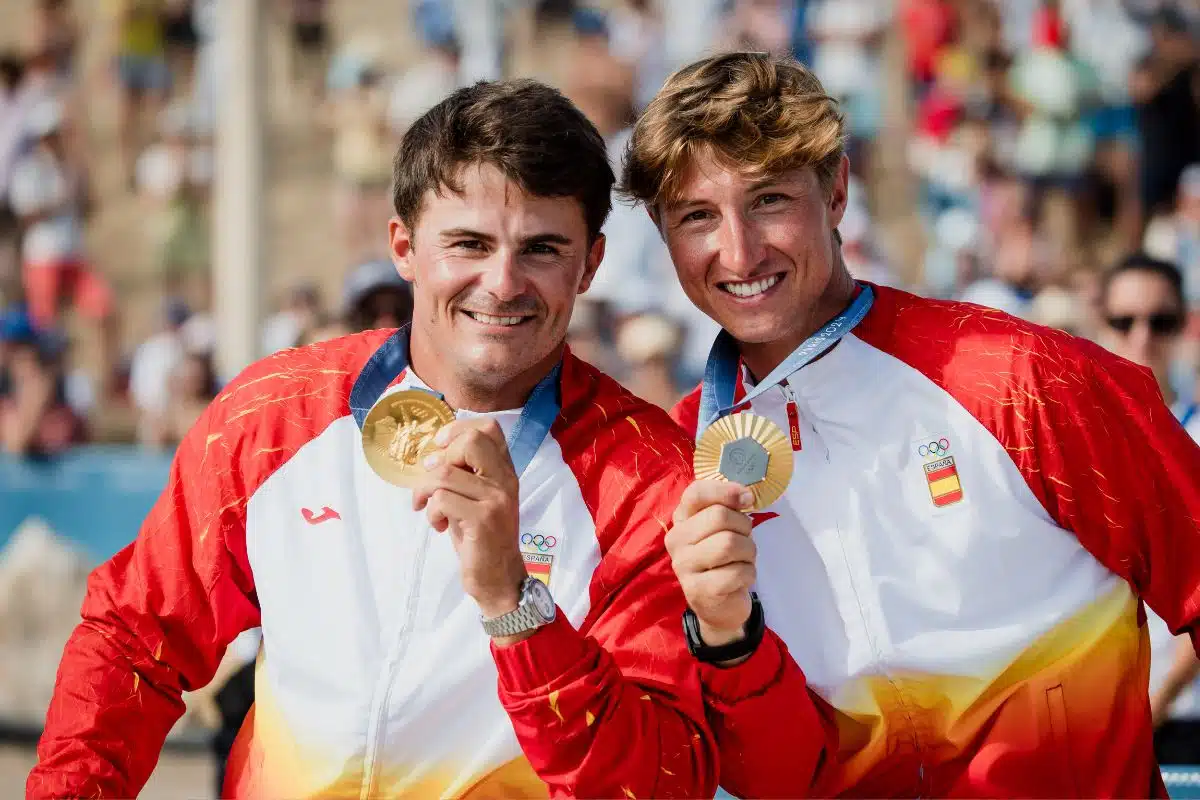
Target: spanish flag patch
{"type": "Point", "coordinates": [944, 485]}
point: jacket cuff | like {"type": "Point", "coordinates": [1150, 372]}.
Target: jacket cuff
{"type": "Point", "coordinates": [535, 662]}
{"type": "Point", "coordinates": [727, 686]}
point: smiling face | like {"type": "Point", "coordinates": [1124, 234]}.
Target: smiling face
{"type": "Point", "coordinates": [758, 254]}
{"type": "Point", "coordinates": [495, 272]}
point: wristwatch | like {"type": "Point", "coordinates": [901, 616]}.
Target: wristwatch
{"type": "Point", "coordinates": [752, 636]}
{"type": "Point", "coordinates": [535, 610]}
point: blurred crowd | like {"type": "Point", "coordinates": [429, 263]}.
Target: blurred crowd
{"type": "Point", "coordinates": [1041, 144]}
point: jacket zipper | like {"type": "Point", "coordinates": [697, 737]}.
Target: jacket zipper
{"type": "Point", "coordinates": [383, 690]}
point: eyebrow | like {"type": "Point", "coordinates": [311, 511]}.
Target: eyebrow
{"type": "Point", "coordinates": [759, 185]}
{"type": "Point", "coordinates": [537, 238]}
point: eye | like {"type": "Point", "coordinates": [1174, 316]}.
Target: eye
{"type": "Point", "coordinates": [542, 249]}
{"type": "Point", "coordinates": [694, 216]}
{"type": "Point", "coordinates": [771, 199]}
{"type": "Point", "coordinates": [468, 244]}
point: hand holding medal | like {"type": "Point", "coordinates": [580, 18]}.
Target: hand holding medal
{"type": "Point", "coordinates": [462, 477]}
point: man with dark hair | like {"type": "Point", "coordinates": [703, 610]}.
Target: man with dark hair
{"type": "Point", "coordinates": [383, 503]}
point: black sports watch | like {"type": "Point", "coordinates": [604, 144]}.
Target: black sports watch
{"type": "Point", "coordinates": [753, 632]}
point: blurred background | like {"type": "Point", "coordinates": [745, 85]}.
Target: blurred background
{"type": "Point", "coordinates": [187, 186]}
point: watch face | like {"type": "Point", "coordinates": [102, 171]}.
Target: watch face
{"type": "Point", "coordinates": [543, 602]}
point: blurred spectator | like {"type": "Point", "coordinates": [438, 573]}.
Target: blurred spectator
{"type": "Point", "coordinates": [847, 36]}
{"type": "Point", "coordinates": [597, 81]}
{"type": "Point", "coordinates": [1055, 94]}
{"type": "Point", "coordinates": [1015, 278]}
{"type": "Point", "coordinates": [174, 175]}
{"type": "Point", "coordinates": [637, 39]}
{"type": "Point", "coordinates": [928, 26]}
{"type": "Point", "coordinates": [649, 344]}
{"type": "Point", "coordinates": [760, 25]}
{"type": "Point", "coordinates": [142, 71]}
{"type": "Point", "coordinates": [1176, 238]}
{"type": "Point", "coordinates": [375, 296]}
{"type": "Point", "coordinates": [860, 249]}
{"type": "Point", "coordinates": [308, 45]}
{"type": "Point", "coordinates": [180, 36]}
{"type": "Point", "coordinates": [1056, 307]}
{"type": "Point", "coordinates": [54, 33]}
{"type": "Point", "coordinates": [156, 358]}
{"type": "Point", "coordinates": [356, 111]}
{"type": "Point", "coordinates": [1143, 311]}
{"type": "Point", "coordinates": [300, 314]}
{"type": "Point", "coordinates": [1106, 36]}
{"type": "Point", "coordinates": [1166, 89]}
{"type": "Point", "coordinates": [35, 418]}
{"type": "Point", "coordinates": [13, 128]}
{"type": "Point", "coordinates": [191, 386]}
{"type": "Point", "coordinates": [48, 194]}
{"type": "Point", "coordinates": [425, 84]}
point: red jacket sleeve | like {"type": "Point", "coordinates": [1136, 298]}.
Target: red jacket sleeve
{"type": "Point", "coordinates": [616, 710]}
{"type": "Point", "coordinates": [1110, 463]}
{"type": "Point", "coordinates": [773, 734]}
{"type": "Point", "coordinates": [156, 620]}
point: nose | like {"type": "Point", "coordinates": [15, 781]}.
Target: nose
{"type": "Point", "coordinates": [1141, 341]}
{"type": "Point", "coordinates": [503, 277]}
{"type": "Point", "coordinates": [742, 248]}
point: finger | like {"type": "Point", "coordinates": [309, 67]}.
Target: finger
{"type": "Point", "coordinates": [477, 451]}
{"type": "Point", "coordinates": [446, 511]}
{"type": "Point", "coordinates": [485, 425]}
{"type": "Point", "coordinates": [719, 550]}
{"type": "Point", "coordinates": [724, 582]}
{"type": "Point", "coordinates": [709, 521]}
{"type": "Point", "coordinates": [702, 494]}
{"type": "Point", "coordinates": [455, 479]}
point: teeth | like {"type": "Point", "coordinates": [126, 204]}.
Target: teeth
{"type": "Point", "coordinates": [488, 319]}
{"type": "Point", "coordinates": [751, 288]}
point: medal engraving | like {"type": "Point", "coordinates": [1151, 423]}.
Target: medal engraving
{"type": "Point", "coordinates": [398, 433]}
{"type": "Point", "coordinates": [743, 461]}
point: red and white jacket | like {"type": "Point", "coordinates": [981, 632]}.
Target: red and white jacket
{"type": "Point", "coordinates": [376, 678]}
{"type": "Point", "coordinates": [978, 510]}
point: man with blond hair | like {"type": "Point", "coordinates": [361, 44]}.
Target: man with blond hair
{"type": "Point", "coordinates": [954, 577]}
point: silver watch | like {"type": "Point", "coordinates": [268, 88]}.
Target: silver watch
{"type": "Point", "coordinates": [535, 610]}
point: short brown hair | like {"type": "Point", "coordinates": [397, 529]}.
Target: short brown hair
{"type": "Point", "coordinates": [764, 114]}
{"type": "Point", "coordinates": [529, 131]}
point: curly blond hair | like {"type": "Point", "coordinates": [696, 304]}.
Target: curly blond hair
{"type": "Point", "coordinates": [758, 113]}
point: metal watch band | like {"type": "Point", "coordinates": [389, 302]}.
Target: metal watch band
{"type": "Point", "coordinates": [522, 618]}
{"type": "Point", "coordinates": [525, 617]}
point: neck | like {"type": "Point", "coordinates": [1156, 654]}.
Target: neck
{"type": "Point", "coordinates": [439, 373]}
{"type": "Point", "coordinates": [762, 357]}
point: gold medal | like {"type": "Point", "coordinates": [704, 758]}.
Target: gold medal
{"type": "Point", "coordinates": [747, 449]}
{"type": "Point", "coordinates": [398, 433]}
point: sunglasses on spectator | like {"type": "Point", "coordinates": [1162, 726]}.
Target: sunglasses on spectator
{"type": "Point", "coordinates": [1162, 323]}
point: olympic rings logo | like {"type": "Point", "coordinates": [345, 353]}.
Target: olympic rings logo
{"type": "Point", "coordinates": [938, 448]}
{"type": "Point", "coordinates": [542, 543]}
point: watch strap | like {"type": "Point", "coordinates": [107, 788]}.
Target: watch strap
{"type": "Point", "coordinates": [524, 617]}
{"type": "Point", "coordinates": [753, 632]}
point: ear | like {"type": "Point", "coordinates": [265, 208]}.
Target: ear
{"type": "Point", "coordinates": [594, 257]}
{"type": "Point", "coordinates": [400, 243]}
{"type": "Point", "coordinates": [839, 193]}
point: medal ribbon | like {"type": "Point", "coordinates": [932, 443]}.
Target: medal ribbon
{"type": "Point", "coordinates": [537, 416]}
{"type": "Point", "coordinates": [721, 371]}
